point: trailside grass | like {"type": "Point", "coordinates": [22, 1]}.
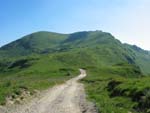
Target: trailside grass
{"type": "Point", "coordinates": [114, 93]}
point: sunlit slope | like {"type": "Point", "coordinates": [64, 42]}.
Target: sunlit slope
{"type": "Point", "coordinates": [101, 46]}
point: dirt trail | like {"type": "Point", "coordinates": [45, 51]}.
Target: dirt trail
{"type": "Point", "coordinates": [65, 98]}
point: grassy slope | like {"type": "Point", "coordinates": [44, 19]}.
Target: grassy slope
{"type": "Point", "coordinates": [39, 42]}
{"type": "Point", "coordinates": [106, 47]}
{"type": "Point", "coordinates": [118, 90]}
{"type": "Point", "coordinates": [105, 58]}
{"type": "Point", "coordinates": [47, 70]}
{"type": "Point", "coordinates": [40, 71]}
{"type": "Point", "coordinates": [48, 42]}
{"type": "Point", "coordinates": [141, 57]}
{"type": "Point", "coordinates": [37, 73]}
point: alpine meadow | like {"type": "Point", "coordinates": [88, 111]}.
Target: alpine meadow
{"type": "Point", "coordinates": [117, 78]}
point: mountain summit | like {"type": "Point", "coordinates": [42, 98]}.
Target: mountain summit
{"type": "Point", "coordinates": [100, 46]}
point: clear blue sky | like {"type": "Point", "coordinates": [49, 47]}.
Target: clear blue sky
{"type": "Point", "coordinates": [127, 20]}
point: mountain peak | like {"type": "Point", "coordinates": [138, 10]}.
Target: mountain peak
{"type": "Point", "coordinates": [101, 44]}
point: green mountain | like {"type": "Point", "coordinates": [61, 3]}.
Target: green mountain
{"type": "Point", "coordinates": [141, 57]}
{"type": "Point", "coordinates": [33, 43]}
{"type": "Point", "coordinates": [117, 78]}
{"type": "Point", "coordinates": [102, 47]}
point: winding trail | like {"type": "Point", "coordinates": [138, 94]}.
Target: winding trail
{"type": "Point", "coordinates": [66, 98]}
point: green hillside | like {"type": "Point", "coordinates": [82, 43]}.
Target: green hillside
{"type": "Point", "coordinates": [141, 57]}
{"type": "Point", "coordinates": [38, 42]}
{"type": "Point", "coordinates": [42, 59]}
{"type": "Point", "coordinates": [101, 44]}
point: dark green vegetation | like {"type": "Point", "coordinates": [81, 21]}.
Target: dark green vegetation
{"type": "Point", "coordinates": [117, 72]}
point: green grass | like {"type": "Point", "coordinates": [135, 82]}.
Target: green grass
{"type": "Point", "coordinates": [115, 81]}
{"type": "Point", "coordinates": [41, 74]}
{"type": "Point", "coordinates": [43, 71]}
{"type": "Point", "coordinates": [114, 93]}
{"type": "Point", "coordinates": [103, 47]}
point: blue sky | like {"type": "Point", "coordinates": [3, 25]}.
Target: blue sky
{"type": "Point", "coordinates": [127, 20]}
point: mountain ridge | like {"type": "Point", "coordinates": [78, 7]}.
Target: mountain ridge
{"type": "Point", "coordinates": [117, 74]}
{"type": "Point", "coordinates": [99, 43]}
{"type": "Point", "coordinates": [71, 34]}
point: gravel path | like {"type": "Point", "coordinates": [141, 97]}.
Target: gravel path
{"type": "Point", "coordinates": [66, 98]}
